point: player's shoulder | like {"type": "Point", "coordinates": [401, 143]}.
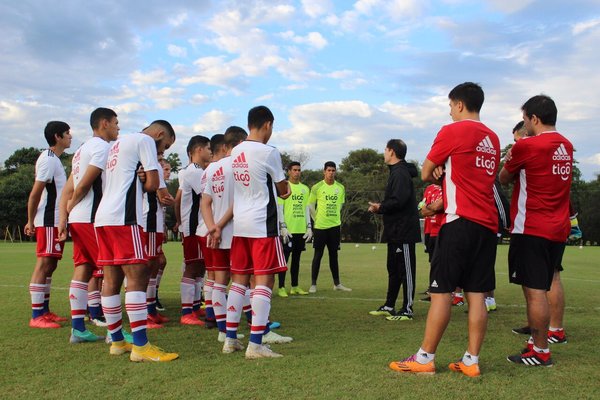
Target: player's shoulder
{"type": "Point", "coordinates": [317, 186]}
{"type": "Point", "coordinates": [338, 184]}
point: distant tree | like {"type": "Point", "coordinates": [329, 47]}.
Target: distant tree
{"type": "Point", "coordinates": [300, 156]}
{"type": "Point", "coordinates": [14, 192]}
{"type": "Point", "coordinates": [173, 159]}
{"type": "Point", "coordinates": [363, 161]}
{"type": "Point", "coordinates": [22, 156]}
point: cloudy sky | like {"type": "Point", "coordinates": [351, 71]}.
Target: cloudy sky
{"type": "Point", "coordinates": [338, 75]}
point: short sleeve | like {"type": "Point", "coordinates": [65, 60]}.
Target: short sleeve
{"type": "Point", "coordinates": [519, 155]}
{"type": "Point", "coordinates": [147, 153]}
{"type": "Point", "coordinates": [274, 166]}
{"type": "Point", "coordinates": [207, 188]}
{"type": "Point", "coordinates": [44, 169]}
{"type": "Point", "coordinates": [312, 197]}
{"type": "Point", "coordinates": [161, 181]}
{"type": "Point", "coordinates": [100, 155]}
{"type": "Point", "coordinates": [442, 147]}
{"type": "Point", "coordinates": [342, 194]}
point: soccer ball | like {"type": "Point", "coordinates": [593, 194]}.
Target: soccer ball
{"type": "Point", "coordinates": [356, 245]}
{"type": "Point", "coordinates": [373, 248]}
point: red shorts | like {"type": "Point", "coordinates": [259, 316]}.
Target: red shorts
{"type": "Point", "coordinates": [258, 256]}
{"type": "Point", "coordinates": [121, 245]}
{"type": "Point", "coordinates": [154, 242]}
{"type": "Point", "coordinates": [206, 252]}
{"type": "Point", "coordinates": [215, 259]}
{"type": "Point", "coordinates": [85, 246]}
{"type": "Point", "coordinates": [47, 242]}
{"type": "Point", "coordinates": [191, 249]}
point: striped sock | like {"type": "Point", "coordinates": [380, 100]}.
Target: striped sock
{"type": "Point", "coordinates": [220, 305]}
{"type": "Point", "coordinates": [187, 287]}
{"type": "Point", "coordinates": [47, 294]}
{"type": "Point", "coordinates": [208, 291]}
{"type": "Point", "coordinates": [151, 296]}
{"type": "Point", "coordinates": [135, 303]}
{"type": "Point", "coordinates": [234, 308]}
{"type": "Point", "coordinates": [248, 306]}
{"type": "Point", "coordinates": [111, 305]}
{"type": "Point", "coordinates": [198, 285]}
{"type": "Point", "coordinates": [261, 306]}
{"type": "Point", "coordinates": [93, 303]}
{"type": "Point", "coordinates": [158, 278]}
{"type": "Point", "coordinates": [78, 296]}
{"type": "Point", "coordinates": [37, 291]}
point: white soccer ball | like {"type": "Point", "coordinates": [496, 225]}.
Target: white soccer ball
{"type": "Point", "coordinates": [581, 247]}
{"type": "Point", "coordinates": [356, 245]}
{"type": "Point", "coordinates": [373, 248]}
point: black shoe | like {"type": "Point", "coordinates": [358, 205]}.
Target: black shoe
{"type": "Point", "coordinates": [210, 323]}
{"type": "Point", "coordinates": [522, 331]}
{"type": "Point", "coordinates": [383, 310]}
{"type": "Point", "coordinates": [531, 358]}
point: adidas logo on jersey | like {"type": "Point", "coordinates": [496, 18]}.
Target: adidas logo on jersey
{"type": "Point", "coordinates": [486, 146]}
{"type": "Point", "coordinates": [560, 154]}
{"type": "Point", "coordinates": [218, 175]}
{"type": "Point", "coordinates": [240, 161]}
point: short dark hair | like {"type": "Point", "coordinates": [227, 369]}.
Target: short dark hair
{"type": "Point", "coordinates": [518, 126]}
{"type": "Point", "coordinates": [235, 135]}
{"type": "Point", "coordinates": [398, 147]}
{"type": "Point", "coordinates": [100, 114]}
{"type": "Point", "coordinates": [217, 142]}
{"type": "Point", "coordinates": [329, 164]}
{"type": "Point", "coordinates": [471, 94]}
{"type": "Point", "coordinates": [543, 107]}
{"type": "Point", "coordinates": [197, 141]}
{"type": "Point", "coordinates": [55, 128]}
{"type": "Point", "coordinates": [258, 116]}
{"type": "Point", "coordinates": [293, 164]}
{"type": "Point", "coordinates": [165, 124]}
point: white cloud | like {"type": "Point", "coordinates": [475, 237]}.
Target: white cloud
{"type": "Point", "coordinates": [177, 51]}
{"type": "Point", "coordinates": [10, 112]}
{"type": "Point", "coordinates": [140, 78]}
{"type": "Point", "coordinates": [312, 39]}
{"type": "Point", "coordinates": [510, 6]}
{"type": "Point", "coordinates": [199, 99]}
{"type": "Point", "coordinates": [128, 108]}
{"type": "Point", "coordinates": [267, 96]}
{"type": "Point", "coordinates": [316, 8]}
{"type": "Point", "coordinates": [214, 121]}
{"type": "Point", "coordinates": [594, 159]}
{"type": "Point", "coordinates": [178, 19]}
{"type": "Point", "coordinates": [166, 98]}
{"type": "Point", "coordinates": [581, 27]}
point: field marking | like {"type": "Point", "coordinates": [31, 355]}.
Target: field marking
{"type": "Point", "coordinates": [295, 298]}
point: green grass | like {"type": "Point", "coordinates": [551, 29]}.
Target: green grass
{"type": "Point", "coordinates": [339, 351]}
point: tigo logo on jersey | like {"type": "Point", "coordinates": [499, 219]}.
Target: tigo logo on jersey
{"type": "Point", "coordinates": [485, 161]}
{"type": "Point", "coordinates": [563, 166]}
{"type": "Point", "coordinates": [243, 176]}
{"type": "Point", "coordinates": [218, 179]}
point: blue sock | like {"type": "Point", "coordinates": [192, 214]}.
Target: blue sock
{"type": "Point", "coordinates": [37, 313]}
{"type": "Point", "coordinates": [210, 313]}
{"type": "Point", "coordinates": [248, 316]}
{"type": "Point", "coordinates": [117, 336]}
{"type": "Point", "coordinates": [222, 326]}
{"type": "Point", "coordinates": [267, 329]}
{"type": "Point", "coordinates": [152, 309]}
{"type": "Point", "coordinates": [186, 311]}
{"type": "Point", "coordinates": [78, 324]}
{"type": "Point", "coordinates": [139, 337]}
{"type": "Point", "coordinates": [46, 306]}
{"type": "Point", "coordinates": [95, 311]}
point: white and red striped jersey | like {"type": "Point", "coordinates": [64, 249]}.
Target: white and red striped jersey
{"type": "Point", "coordinates": [470, 153]}
{"type": "Point", "coordinates": [93, 152]}
{"type": "Point", "coordinates": [219, 186]}
{"type": "Point", "coordinates": [49, 169]}
{"type": "Point", "coordinates": [190, 179]}
{"type": "Point", "coordinates": [256, 167]}
{"type": "Point", "coordinates": [121, 203]}
{"type": "Point", "coordinates": [540, 201]}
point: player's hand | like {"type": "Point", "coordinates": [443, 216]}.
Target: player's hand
{"type": "Point", "coordinates": [214, 238]}
{"type": "Point", "coordinates": [165, 198]}
{"type": "Point", "coordinates": [62, 232]}
{"type": "Point", "coordinates": [508, 155]}
{"type": "Point", "coordinates": [29, 229]}
{"type": "Point", "coordinates": [308, 235]}
{"type": "Point", "coordinates": [141, 174]}
{"type": "Point", "coordinates": [438, 172]}
{"type": "Point", "coordinates": [374, 207]}
{"type": "Point", "coordinates": [284, 233]}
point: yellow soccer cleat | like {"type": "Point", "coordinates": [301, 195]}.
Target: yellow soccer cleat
{"type": "Point", "coordinates": [149, 352]}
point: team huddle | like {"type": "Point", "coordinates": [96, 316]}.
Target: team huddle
{"type": "Point", "coordinates": [241, 219]}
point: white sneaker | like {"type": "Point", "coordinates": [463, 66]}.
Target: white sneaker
{"type": "Point", "coordinates": [342, 288]}
{"type": "Point", "coordinates": [275, 338]}
{"type": "Point", "coordinates": [255, 351]}
{"type": "Point", "coordinates": [222, 336]}
{"type": "Point", "coordinates": [312, 289]}
{"type": "Point", "coordinates": [232, 345]}
{"type": "Point", "coordinates": [99, 322]}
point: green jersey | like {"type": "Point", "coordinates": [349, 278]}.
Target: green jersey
{"type": "Point", "coordinates": [329, 200]}
{"type": "Point", "coordinates": [294, 208]}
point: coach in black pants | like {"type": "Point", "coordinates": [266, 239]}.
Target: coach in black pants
{"type": "Point", "coordinates": [401, 231]}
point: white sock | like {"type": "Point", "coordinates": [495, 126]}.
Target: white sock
{"type": "Point", "coordinates": [424, 357]}
{"type": "Point", "coordinates": [469, 359]}
{"type": "Point", "coordinates": [187, 287]}
{"type": "Point", "coordinates": [261, 306]}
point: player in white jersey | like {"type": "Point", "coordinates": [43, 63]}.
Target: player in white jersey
{"type": "Point", "coordinates": [153, 223]}
{"type": "Point", "coordinates": [256, 248]}
{"type": "Point", "coordinates": [42, 221]}
{"type": "Point", "coordinates": [187, 211]}
{"type": "Point", "coordinates": [217, 212]}
{"type": "Point", "coordinates": [131, 168]}
{"type": "Point", "coordinates": [79, 202]}
{"type": "Point", "coordinates": [162, 260]}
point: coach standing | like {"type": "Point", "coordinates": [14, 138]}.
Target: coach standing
{"type": "Point", "coordinates": [400, 230]}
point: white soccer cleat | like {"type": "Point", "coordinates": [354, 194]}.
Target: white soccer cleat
{"type": "Point", "coordinates": [232, 345]}
{"type": "Point", "coordinates": [342, 288]}
{"type": "Point", "coordinates": [255, 351]}
{"type": "Point", "coordinates": [275, 338]}
{"type": "Point", "coordinates": [312, 289]}
{"type": "Point", "coordinates": [222, 336]}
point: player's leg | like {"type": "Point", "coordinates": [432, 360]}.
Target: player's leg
{"type": "Point", "coordinates": [392, 265]}
{"type": "Point", "coordinates": [298, 246]}
{"type": "Point", "coordinates": [319, 242]}
{"type": "Point", "coordinates": [556, 298]}
{"type": "Point", "coordinates": [407, 266]}
{"type": "Point", "coordinates": [333, 246]}
{"type": "Point", "coordinates": [241, 268]}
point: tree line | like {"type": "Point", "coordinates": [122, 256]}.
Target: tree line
{"type": "Point", "coordinates": [362, 172]}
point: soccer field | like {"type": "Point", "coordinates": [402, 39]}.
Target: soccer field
{"type": "Point", "coordinates": [339, 351]}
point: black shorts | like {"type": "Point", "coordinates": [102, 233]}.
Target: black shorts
{"type": "Point", "coordinates": [329, 237]}
{"type": "Point", "coordinates": [431, 245]}
{"type": "Point", "coordinates": [532, 261]}
{"type": "Point", "coordinates": [465, 256]}
{"type": "Point", "coordinates": [297, 243]}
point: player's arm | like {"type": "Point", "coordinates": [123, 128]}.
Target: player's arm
{"type": "Point", "coordinates": [207, 215]}
{"type": "Point", "coordinates": [152, 181]}
{"type": "Point", "coordinates": [177, 208]}
{"type": "Point", "coordinates": [398, 198]}
{"type": "Point", "coordinates": [32, 205]}
{"type": "Point", "coordinates": [164, 197]}
{"type": "Point", "coordinates": [83, 187]}
{"type": "Point", "coordinates": [63, 212]}
{"type": "Point", "coordinates": [430, 172]}
{"type": "Point", "coordinates": [433, 208]}
{"type": "Point", "coordinates": [505, 176]}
